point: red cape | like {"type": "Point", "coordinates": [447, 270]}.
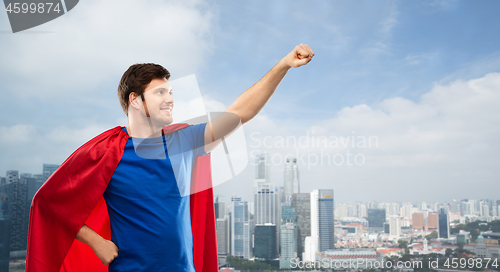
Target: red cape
{"type": "Point", "coordinates": [72, 196]}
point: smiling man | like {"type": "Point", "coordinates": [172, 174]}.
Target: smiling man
{"type": "Point", "coordinates": [145, 188]}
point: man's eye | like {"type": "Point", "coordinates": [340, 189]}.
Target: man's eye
{"type": "Point", "coordinates": [171, 93]}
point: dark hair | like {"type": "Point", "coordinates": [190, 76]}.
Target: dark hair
{"type": "Point", "coordinates": [135, 80]}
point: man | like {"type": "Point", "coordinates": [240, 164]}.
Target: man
{"type": "Point", "coordinates": [146, 190]}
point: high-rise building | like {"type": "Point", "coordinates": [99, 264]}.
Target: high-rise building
{"type": "Point", "coordinates": [288, 214]}
{"type": "Point", "coordinates": [443, 224]}
{"type": "Point", "coordinates": [223, 237]}
{"type": "Point", "coordinates": [395, 226]}
{"type": "Point", "coordinates": [32, 185]}
{"type": "Point", "coordinates": [262, 168]}
{"type": "Point", "coordinates": [372, 205]}
{"type": "Point", "coordinates": [48, 170]}
{"type": "Point", "coordinates": [265, 241]}
{"type": "Point", "coordinates": [376, 219]}
{"type": "Point", "coordinates": [4, 241]}
{"type": "Point", "coordinates": [322, 218]}
{"type": "Point", "coordinates": [289, 247]}
{"type": "Point", "coordinates": [302, 205]}
{"type": "Point", "coordinates": [240, 229]}
{"type": "Point", "coordinates": [406, 210]}
{"type": "Point", "coordinates": [432, 221]}
{"type": "Point", "coordinates": [390, 208]}
{"type": "Point", "coordinates": [267, 201]}
{"type": "Point", "coordinates": [418, 221]}
{"type": "Point", "coordinates": [220, 208]}
{"type": "Point", "coordinates": [291, 178]}
{"type": "Point", "coordinates": [17, 194]}
{"type": "Point", "coordinates": [5, 223]}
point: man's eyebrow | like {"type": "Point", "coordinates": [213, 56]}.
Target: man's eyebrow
{"type": "Point", "coordinates": [163, 89]}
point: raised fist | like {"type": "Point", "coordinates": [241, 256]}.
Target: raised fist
{"type": "Point", "coordinates": [300, 55]}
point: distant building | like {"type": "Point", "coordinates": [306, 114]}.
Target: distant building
{"type": "Point", "coordinates": [322, 219]}
{"type": "Point", "coordinates": [48, 170]}
{"type": "Point", "coordinates": [267, 201]}
{"type": "Point", "coordinates": [265, 241]}
{"type": "Point", "coordinates": [418, 221]}
{"type": "Point", "coordinates": [353, 258]}
{"type": "Point", "coordinates": [376, 219]}
{"type": "Point", "coordinates": [223, 237]}
{"type": "Point", "coordinates": [289, 239]}
{"type": "Point", "coordinates": [240, 229]}
{"type": "Point", "coordinates": [395, 227]}
{"type": "Point", "coordinates": [443, 225]}
{"type": "Point", "coordinates": [482, 250]}
{"type": "Point", "coordinates": [17, 194]}
{"type": "Point", "coordinates": [463, 237]}
{"type": "Point", "coordinates": [291, 178]}
{"type": "Point", "coordinates": [220, 209]}
{"type": "Point", "coordinates": [425, 248]}
{"type": "Point", "coordinates": [5, 223]}
{"type": "Point", "coordinates": [288, 214]}
{"type": "Point", "coordinates": [492, 236]}
{"type": "Point", "coordinates": [302, 205]}
{"type": "Point", "coordinates": [432, 221]}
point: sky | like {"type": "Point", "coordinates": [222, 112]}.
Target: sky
{"type": "Point", "coordinates": [400, 102]}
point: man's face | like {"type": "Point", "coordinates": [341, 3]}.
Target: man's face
{"type": "Point", "coordinates": [159, 102]}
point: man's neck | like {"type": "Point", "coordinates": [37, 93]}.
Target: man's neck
{"type": "Point", "coordinates": [143, 131]}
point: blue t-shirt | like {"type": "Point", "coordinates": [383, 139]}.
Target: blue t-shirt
{"type": "Point", "coordinates": [148, 202]}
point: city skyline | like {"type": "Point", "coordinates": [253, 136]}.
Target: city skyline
{"type": "Point", "coordinates": [41, 176]}
{"type": "Point", "coordinates": [310, 224]}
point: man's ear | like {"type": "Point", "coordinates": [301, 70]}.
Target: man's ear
{"type": "Point", "coordinates": [133, 101]}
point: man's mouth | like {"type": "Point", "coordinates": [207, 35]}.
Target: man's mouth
{"type": "Point", "coordinates": [166, 109]}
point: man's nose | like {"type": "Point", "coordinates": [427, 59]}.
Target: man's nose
{"type": "Point", "coordinates": [168, 98]}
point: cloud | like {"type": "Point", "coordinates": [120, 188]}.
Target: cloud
{"type": "Point", "coordinates": [448, 139]}
{"type": "Point", "coordinates": [416, 59]}
{"type": "Point", "coordinates": [99, 40]}
{"type": "Point", "coordinates": [27, 147]}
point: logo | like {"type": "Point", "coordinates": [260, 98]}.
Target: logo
{"type": "Point", "coordinates": [25, 14]}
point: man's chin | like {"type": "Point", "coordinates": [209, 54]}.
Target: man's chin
{"type": "Point", "coordinates": [161, 123]}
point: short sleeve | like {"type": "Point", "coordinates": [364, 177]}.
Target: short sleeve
{"type": "Point", "coordinates": [196, 137]}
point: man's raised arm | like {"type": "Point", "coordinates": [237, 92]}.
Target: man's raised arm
{"type": "Point", "coordinates": [251, 101]}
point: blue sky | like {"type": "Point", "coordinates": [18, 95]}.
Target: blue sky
{"type": "Point", "coordinates": [419, 75]}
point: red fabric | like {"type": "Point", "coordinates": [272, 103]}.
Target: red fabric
{"type": "Point", "coordinates": [72, 196]}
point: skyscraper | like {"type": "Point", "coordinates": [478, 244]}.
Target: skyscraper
{"type": "Point", "coordinates": [322, 218]}
{"type": "Point", "coordinates": [240, 229]}
{"type": "Point", "coordinates": [265, 241]}
{"type": "Point", "coordinates": [302, 205]}
{"type": "Point", "coordinates": [17, 193]}
{"type": "Point", "coordinates": [266, 204]}
{"type": "Point", "coordinates": [443, 224]}
{"type": "Point", "coordinates": [5, 223]}
{"type": "Point", "coordinates": [289, 238]}
{"type": "Point", "coordinates": [418, 221]}
{"type": "Point", "coordinates": [376, 219]}
{"type": "Point", "coordinates": [291, 178]}
{"type": "Point", "coordinates": [262, 167]}
{"type": "Point", "coordinates": [395, 226]}
{"type": "Point", "coordinates": [266, 197]}
{"type": "Point", "coordinates": [48, 170]}
{"type": "Point", "coordinates": [220, 209]}
{"type": "Point", "coordinates": [432, 221]}
{"type": "Point", "coordinates": [223, 238]}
